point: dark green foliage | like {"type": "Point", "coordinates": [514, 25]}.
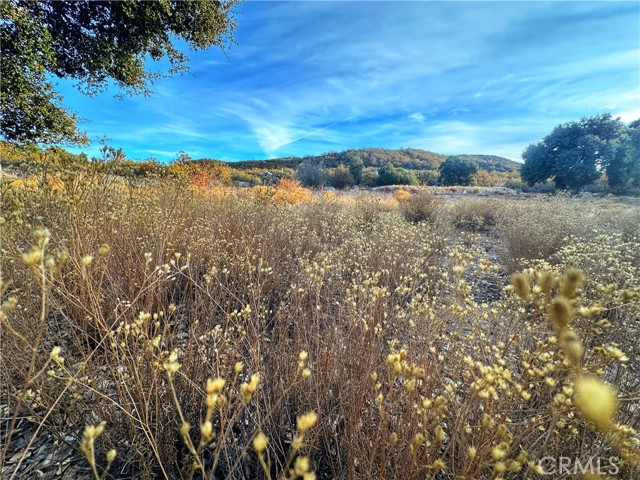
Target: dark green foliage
{"type": "Point", "coordinates": [30, 109]}
{"type": "Point", "coordinates": [341, 178]}
{"type": "Point", "coordinates": [358, 159]}
{"type": "Point", "coordinates": [623, 172]}
{"type": "Point", "coordinates": [311, 173]}
{"type": "Point", "coordinates": [369, 177]}
{"type": "Point", "coordinates": [390, 175]}
{"type": "Point", "coordinates": [356, 168]}
{"type": "Point", "coordinates": [634, 153]}
{"type": "Point", "coordinates": [575, 154]}
{"type": "Point", "coordinates": [492, 163]}
{"type": "Point", "coordinates": [274, 164]}
{"type": "Point", "coordinates": [92, 42]}
{"type": "Point", "coordinates": [427, 177]}
{"type": "Point", "coordinates": [457, 171]}
{"type": "Point", "coordinates": [409, 158]}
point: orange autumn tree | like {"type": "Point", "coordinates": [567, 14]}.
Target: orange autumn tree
{"type": "Point", "coordinates": [290, 191]}
{"type": "Point", "coordinates": [202, 174]}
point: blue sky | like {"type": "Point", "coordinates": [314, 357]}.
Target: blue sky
{"type": "Point", "coordinates": [450, 77]}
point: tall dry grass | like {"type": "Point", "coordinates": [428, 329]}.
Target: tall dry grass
{"type": "Point", "coordinates": [240, 335]}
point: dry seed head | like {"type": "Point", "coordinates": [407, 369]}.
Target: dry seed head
{"type": "Point", "coordinates": [627, 295]}
{"type": "Point", "coordinates": [184, 428]}
{"type": "Point", "coordinates": [206, 430]}
{"type": "Point", "coordinates": [91, 432]}
{"type": "Point", "coordinates": [33, 257]}
{"type": "Point", "coordinates": [536, 468]}
{"type": "Point", "coordinates": [487, 421]}
{"type": "Point", "coordinates": [560, 313]}
{"type": "Point", "coordinates": [570, 283]}
{"type": "Point", "coordinates": [55, 355]}
{"type": "Point", "coordinates": [103, 250]}
{"type": "Point", "coordinates": [41, 234]}
{"type": "Point", "coordinates": [61, 258]}
{"type": "Point", "coordinates": [260, 442]}
{"type": "Point", "coordinates": [247, 389]}
{"type": "Point", "coordinates": [297, 443]}
{"type": "Point", "coordinates": [500, 451]}
{"type": "Point", "coordinates": [546, 282]}
{"type": "Point", "coordinates": [520, 285]}
{"type": "Point", "coordinates": [301, 466]}
{"type": "Point", "coordinates": [172, 366]}
{"type": "Point", "coordinates": [439, 464]}
{"type": "Point", "coordinates": [9, 304]}
{"type": "Point", "coordinates": [571, 346]}
{"type": "Point", "coordinates": [392, 359]}
{"type": "Point", "coordinates": [307, 421]}
{"type": "Point", "coordinates": [253, 383]}
{"type": "Point", "coordinates": [514, 466]}
{"type": "Point", "coordinates": [111, 455]}
{"type": "Point", "coordinates": [499, 467]}
{"type": "Point", "coordinates": [596, 400]}
{"type": "Point", "coordinates": [215, 385]}
{"type": "Point", "coordinates": [410, 385]}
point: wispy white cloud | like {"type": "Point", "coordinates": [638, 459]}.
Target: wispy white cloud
{"type": "Point", "coordinates": [446, 76]}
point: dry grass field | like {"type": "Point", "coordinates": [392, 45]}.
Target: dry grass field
{"type": "Point", "coordinates": [165, 331]}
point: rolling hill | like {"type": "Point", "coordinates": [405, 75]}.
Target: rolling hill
{"type": "Point", "coordinates": [409, 158]}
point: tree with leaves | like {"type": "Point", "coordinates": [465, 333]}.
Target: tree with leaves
{"type": "Point", "coordinates": [93, 43]}
{"type": "Point", "coordinates": [311, 173]}
{"type": "Point", "coordinates": [457, 171]}
{"type": "Point", "coordinates": [576, 154]}
{"type": "Point", "coordinates": [390, 175]}
{"type": "Point", "coordinates": [341, 177]}
{"type": "Point", "coordinates": [623, 171]}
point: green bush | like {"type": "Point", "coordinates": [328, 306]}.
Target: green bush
{"type": "Point", "coordinates": [340, 177]}
{"type": "Point", "coordinates": [311, 174]}
{"type": "Point", "coordinates": [390, 175]}
{"type": "Point", "coordinates": [457, 171]}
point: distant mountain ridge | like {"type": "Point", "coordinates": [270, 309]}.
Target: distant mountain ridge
{"type": "Point", "coordinates": [408, 158]}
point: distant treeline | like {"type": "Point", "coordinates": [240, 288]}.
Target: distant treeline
{"type": "Point", "coordinates": [380, 166]}
{"type": "Point", "coordinates": [408, 158]}
{"type": "Point", "coordinates": [363, 167]}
